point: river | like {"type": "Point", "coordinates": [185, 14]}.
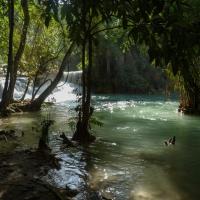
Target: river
{"type": "Point", "coordinates": [129, 159]}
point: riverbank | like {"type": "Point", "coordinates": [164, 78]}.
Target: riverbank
{"type": "Point", "coordinates": [22, 173]}
{"type": "Point", "coordinates": [60, 174]}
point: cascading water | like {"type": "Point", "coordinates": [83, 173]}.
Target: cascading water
{"type": "Point", "coordinates": [20, 86]}
{"type": "Point", "coordinates": [67, 88]}
{"type": "Point", "coordinates": [2, 80]}
{"type": "Point", "coordinates": [73, 77]}
{"type": "Point", "coordinates": [65, 91]}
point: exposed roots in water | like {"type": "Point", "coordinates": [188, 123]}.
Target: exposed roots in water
{"type": "Point", "coordinates": [82, 135]}
{"type": "Point", "coordinates": [22, 106]}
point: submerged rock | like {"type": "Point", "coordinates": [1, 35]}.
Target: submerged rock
{"type": "Point", "coordinates": [71, 192]}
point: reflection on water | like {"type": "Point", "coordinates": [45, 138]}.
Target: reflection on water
{"type": "Point", "coordinates": [129, 159]}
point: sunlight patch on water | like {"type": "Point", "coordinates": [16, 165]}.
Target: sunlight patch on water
{"type": "Point", "coordinates": [123, 128]}
{"type": "Point", "coordinates": [150, 110]}
{"type": "Point", "coordinates": [105, 179]}
{"type": "Point", "coordinates": [155, 186]}
{"type": "Point", "coordinates": [72, 171]}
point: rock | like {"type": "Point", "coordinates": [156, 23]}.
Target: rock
{"type": "Point", "coordinates": [96, 195]}
{"type": "Point", "coordinates": [71, 192]}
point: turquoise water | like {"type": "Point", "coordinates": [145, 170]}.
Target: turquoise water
{"type": "Point", "coordinates": [129, 159]}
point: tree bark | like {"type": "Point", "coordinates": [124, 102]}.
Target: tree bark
{"type": "Point", "coordinates": [82, 134]}
{"type": "Point", "coordinates": [9, 75]}
{"type": "Point", "coordinates": [89, 71]}
{"type": "Point", "coordinates": [78, 135]}
{"type": "Point", "coordinates": [36, 104]}
{"type": "Point", "coordinates": [24, 5]}
{"type": "Point", "coordinates": [26, 89]}
{"type": "Point", "coordinates": [83, 79]}
{"type": "Point", "coordinates": [108, 63]}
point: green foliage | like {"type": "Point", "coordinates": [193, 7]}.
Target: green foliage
{"type": "Point", "coordinates": [93, 121]}
{"type": "Point", "coordinates": [3, 31]}
{"type": "Point", "coordinates": [45, 46]}
{"type": "Point", "coordinates": [164, 26]}
{"type": "Point", "coordinates": [72, 123]}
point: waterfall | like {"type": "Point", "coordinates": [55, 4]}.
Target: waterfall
{"type": "Point", "coordinates": [20, 86]}
{"type": "Point", "coordinates": [2, 80]}
{"type": "Point", "coordinates": [65, 91]}
{"type": "Point", "coordinates": [73, 77]}
{"type": "Point", "coordinates": [67, 88]}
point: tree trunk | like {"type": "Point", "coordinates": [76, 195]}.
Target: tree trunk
{"type": "Point", "coordinates": [26, 89]}
{"type": "Point", "coordinates": [82, 134]}
{"type": "Point", "coordinates": [83, 79]}
{"type": "Point", "coordinates": [38, 89]}
{"type": "Point", "coordinates": [9, 75]}
{"type": "Point", "coordinates": [24, 4]}
{"type": "Point", "coordinates": [34, 84]}
{"type": "Point", "coordinates": [108, 70]}
{"type": "Point", "coordinates": [36, 104]}
{"type": "Point", "coordinates": [88, 97]}
{"type": "Point", "coordinates": [81, 112]}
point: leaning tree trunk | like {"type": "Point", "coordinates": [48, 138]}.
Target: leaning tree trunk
{"type": "Point", "coordinates": [9, 75]}
{"type": "Point", "coordinates": [26, 90]}
{"type": "Point", "coordinates": [36, 104]}
{"type": "Point", "coordinates": [18, 56]}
